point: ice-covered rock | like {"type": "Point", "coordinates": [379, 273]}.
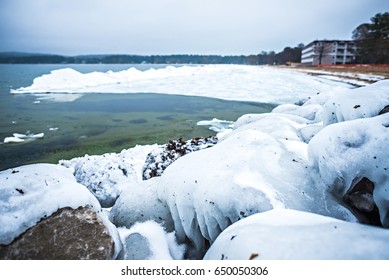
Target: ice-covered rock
{"type": "Point", "coordinates": [250, 171]}
{"type": "Point", "coordinates": [107, 175]}
{"type": "Point", "coordinates": [345, 153]}
{"type": "Point", "coordinates": [350, 104]}
{"type": "Point", "coordinates": [149, 241]}
{"type": "Point", "coordinates": [285, 234]}
{"type": "Point", "coordinates": [164, 155]}
{"type": "Point", "coordinates": [52, 238]}
{"type": "Point", "coordinates": [43, 208]}
{"type": "Point", "coordinates": [140, 203]}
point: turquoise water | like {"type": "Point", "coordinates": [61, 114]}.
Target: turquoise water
{"type": "Point", "coordinates": [100, 123]}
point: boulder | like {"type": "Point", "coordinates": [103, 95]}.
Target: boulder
{"type": "Point", "coordinates": [46, 214]}
{"type": "Point", "coordinates": [68, 234]}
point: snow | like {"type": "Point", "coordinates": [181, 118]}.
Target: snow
{"type": "Point", "coordinates": [32, 192]}
{"type": "Point", "coordinates": [364, 102]}
{"type": "Point", "coordinates": [289, 234]}
{"type": "Point", "coordinates": [363, 79]}
{"type": "Point", "coordinates": [282, 175]}
{"type": "Point", "coordinates": [231, 82]}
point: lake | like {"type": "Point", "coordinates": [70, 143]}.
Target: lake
{"type": "Point", "coordinates": [98, 123]}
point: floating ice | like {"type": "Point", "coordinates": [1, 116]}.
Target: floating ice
{"type": "Point", "coordinates": [20, 138]}
{"type": "Point", "coordinates": [222, 127]}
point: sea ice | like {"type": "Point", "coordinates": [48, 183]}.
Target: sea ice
{"type": "Point", "coordinates": [231, 82]}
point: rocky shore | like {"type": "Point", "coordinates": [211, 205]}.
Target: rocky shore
{"type": "Point", "coordinates": [307, 181]}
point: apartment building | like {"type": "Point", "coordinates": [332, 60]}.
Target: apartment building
{"type": "Point", "coordinates": [329, 52]}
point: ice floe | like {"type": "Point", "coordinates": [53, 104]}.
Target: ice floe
{"type": "Point", "coordinates": [21, 138]}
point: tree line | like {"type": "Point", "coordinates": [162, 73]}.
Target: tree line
{"type": "Point", "coordinates": [372, 40]}
{"type": "Point", "coordinates": [289, 54]}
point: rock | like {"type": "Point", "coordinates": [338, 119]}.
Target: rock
{"type": "Point", "coordinates": [159, 159]}
{"type": "Point", "coordinates": [384, 110]}
{"type": "Point", "coordinates": [136, 247]}
{"type": "Point", "coordinates": [46, 214]}
{"type": "Point", "coordinates": [68, 234]}
{"type": "Point", "coordinates": [360, 200]}
{"type": "Point", "coordinates": [105, 176]}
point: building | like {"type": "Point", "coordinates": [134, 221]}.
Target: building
{"type": "Point", "coordinates": [329, 52]}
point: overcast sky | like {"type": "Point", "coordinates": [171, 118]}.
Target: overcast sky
{"type": "Point", "coordinates": [227, 27]}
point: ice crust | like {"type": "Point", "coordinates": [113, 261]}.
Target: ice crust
{"type": "Point", "coordinates": [285, 234]}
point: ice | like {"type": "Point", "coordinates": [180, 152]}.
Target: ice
{"type": "Point", "coordinates": [32, 192]}
{"type": "Point", "coordinates": [364, 102]}
{"type": "Point", "coordinates": [250, 171]}
{"type": "Point", "coordinates": [13, 139]}
{"type": "Point", "coordinates": [271, 161]}
{"type": "Point", "coordinates": [216, 124]}
{"type": "Point", "coordinates": [58, 97]}
{"type": "Point", "coordinates": [231, 82]}
{"type": "Point", "coordinates": [157, 243]}
{"type": "Point", "coordinates": [294, 170]}
{"type": "Point", "coordinates": [285, 234]}
{"type": "Point", "coordinates": [21, 138]}
{"type": "Point", "coordinates": [107, 175]}
{"type": "Point", "coordinates": [346, 152]}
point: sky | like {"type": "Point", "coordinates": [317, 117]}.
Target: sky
{"type": "Point", "coordinates": [224, 27]}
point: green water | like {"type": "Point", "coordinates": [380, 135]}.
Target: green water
{"type": "Point", "coordinates": [100, 123]}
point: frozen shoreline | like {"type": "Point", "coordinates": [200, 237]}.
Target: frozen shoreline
{"type": "Point", "coordinates": [230, 82]}
{"type": "Point", "coordinates": [303, 158]}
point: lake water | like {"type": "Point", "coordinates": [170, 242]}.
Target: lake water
{"type": "Point", "coordinates": [99, 123]}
